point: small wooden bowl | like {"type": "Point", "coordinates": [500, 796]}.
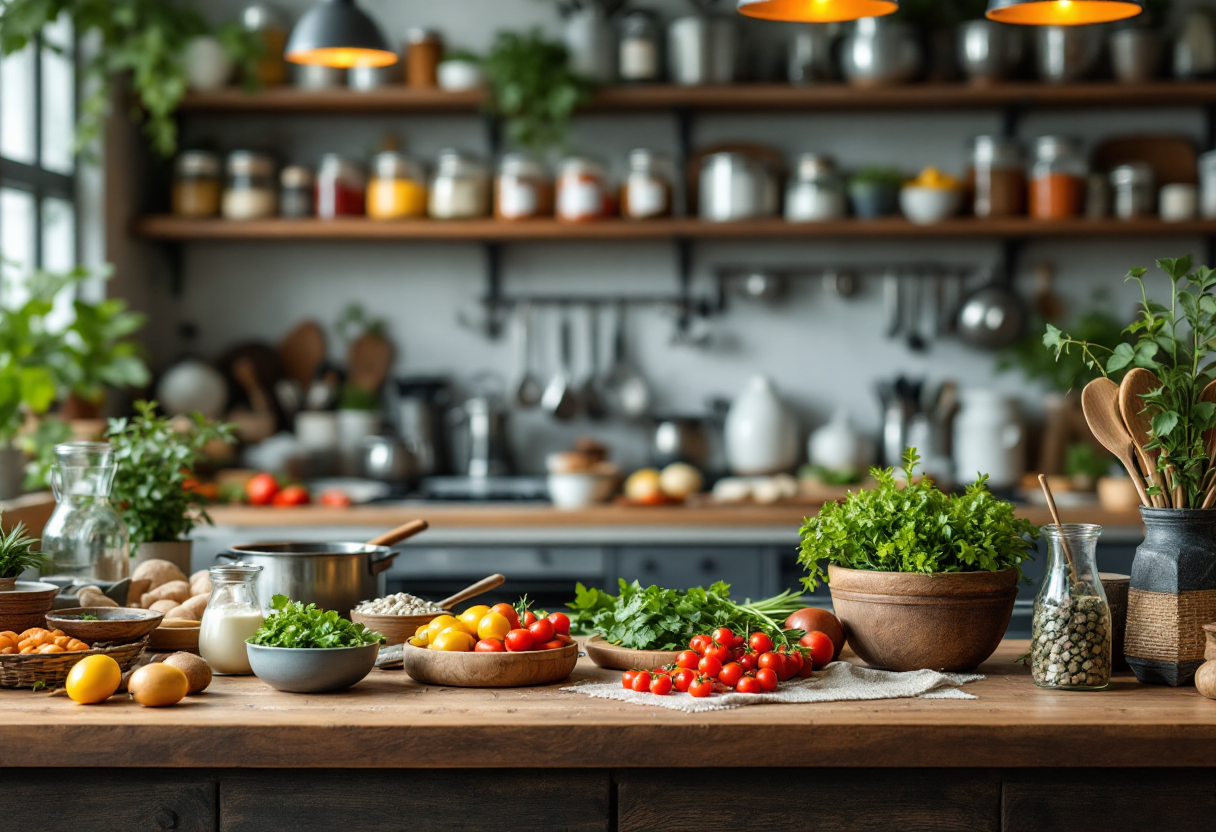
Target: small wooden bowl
{"type": "Point", "coordinates": [26, 605]}
{"type": "Point", "coordinates": [174, 639]}
{"type": "Point", "coordinates": [113, 624]}
{"type": "Point", "coordinates": [489, 670]}
{"type": "Point", "coordinates": [610, 656]}
{"type": "Point", "coordinates": [395, 628]}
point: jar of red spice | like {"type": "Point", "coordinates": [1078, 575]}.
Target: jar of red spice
{"type": "Point", "coordinates": [997, 177]}
{"type": "Point", "coordinates": [1057, 179]}
{"type": "Point", "coordinates": [523, 188]}
{"type": "Point", "coordinates": [582, 190]}
{"type": "Point", "coordinates": [341, 187]}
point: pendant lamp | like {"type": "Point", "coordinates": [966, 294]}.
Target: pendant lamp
{"type": "Point", "coordinates": [337, 33]}
{"type": "Point", "coordinates": [816, 11]}
{"type": "Point", "coordinates": [1062, 12]}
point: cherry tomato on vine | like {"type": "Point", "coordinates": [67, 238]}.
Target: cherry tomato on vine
{"type": "Point", "coordinates": [627, 679]}
{"type": "Point", "coordinates": [660, 685]}
{"type": "Point", "coordinates": [554, 644]}
{"type": "Point", "coordinates": [527, 619]}
{"type": "Point", "coordinates": [794, 662]}
{"type": "Point", "coordinates": [724, 636]}
{"type": "Point", "coordinates": [821, 646]}
{"type": "Point", "coordinates": [560, 622]}
{"type": "Point", "coordinates": [699, 643]}
{"type": "Point", "coordinates": [508, 612]}
{"type": "Point", "coordinates": [748, 684]}
{"type": "Point", "coordinates": [688, 658]}
{"type": "Point", "coordinates": [731, 674]}
{"type": "Point", "coordinates": [717, 651]}
{"type": "Point", "coordinates": [519, 641]}
{"type": "Point", "coordinates": [710, 666]}
{"type": "Point", "coordinates": [749, 662]}
{"type": "Point", "coordinates": [770, 661]}
{"type": "Point", "coordinates": [760, 642]}
{"type": "Point", "coordinates": [682, 678]}
{"type": "Point", "coordinates": [767, 678]}
{"type": "Point", "coordinates": [641, 682]}
{"type": "Point", "coordinates": [541, 630]}
{"type": "Point", "coordinates": [702, 686]}
{"type": "Point", "coordinates": [489, 645]}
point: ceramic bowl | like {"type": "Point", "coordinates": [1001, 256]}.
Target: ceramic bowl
{"type": "Point", "coordinates": [312, 670]}
{"type": "Point", "coordinates": [579, 490]}
{"type": "Point", "coordinates": [116, 624]}
{"type": "Point", "coordinates": [925, 206]}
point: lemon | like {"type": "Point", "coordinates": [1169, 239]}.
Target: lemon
{"type": "Point", "coordinates": [93, 679]}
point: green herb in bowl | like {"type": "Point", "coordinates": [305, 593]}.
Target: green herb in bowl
{"type": "Point", "coordinates": [292, 624]}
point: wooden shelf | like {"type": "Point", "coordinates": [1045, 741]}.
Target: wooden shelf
{"type": "Point", "coordinates": [730, 97]}
{"type": "Point", "coordinates": [181, 229]}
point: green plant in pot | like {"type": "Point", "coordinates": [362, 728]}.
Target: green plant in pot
{"type": "Point", "coordinates": [874, 192]}
{"type": "Point", "coordinates": [919, 578]}
{"type": "Point", "coordinates": [154, 486]}
{"type": "Point", "coordinates": [17, 555]}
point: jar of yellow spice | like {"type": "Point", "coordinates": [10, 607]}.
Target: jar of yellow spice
{"type": "Point", "coordinates": [397, 189]}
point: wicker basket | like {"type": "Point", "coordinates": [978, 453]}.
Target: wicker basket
{"type": "Point", "coordinates": [17, 671]}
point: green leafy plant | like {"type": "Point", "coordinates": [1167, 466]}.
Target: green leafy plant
{"type": "Point", "coordinates": [533, 88]}
{"type": "Point", "coordinates": [653, 618]}
{"type": "Point", "coordinates": [1177, 343]}
{"type": "Point", "coordinates": [16, 552]}
{"type": "Point", "coordinates": [39, 445]}
{"type": "Point", "coordinates": [28, 354]}
{"type": "Point", "coordinates": [875, 175]}
{"type": "Point", "coordinates": [294, 625]}
{"type": "Point", "coordinates": [98, 352]}
{"type": "Point", "coordinates": [914, 527]}
{"type": "Point", "coordinates": [1069, 370]}
{"type": "Point", "coordinates": [155, 464]}
{"type": "Point", "coordinates": [1082, 459]}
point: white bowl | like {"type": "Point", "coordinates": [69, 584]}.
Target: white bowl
{"type": "Point", "coordinates": [925, 206]}
{"type": "Point", "coordinates": [457, 75]}
{"type": "Point", "coordinates": [579, 490]}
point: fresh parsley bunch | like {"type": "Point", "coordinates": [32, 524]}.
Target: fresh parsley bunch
{"type": "Point", "coordinates": [294, 625]}
{"type": "Point", "coordinates": [895, 527]}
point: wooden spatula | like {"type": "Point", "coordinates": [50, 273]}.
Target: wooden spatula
{"type": "Point", "coordinates": [302, 352]}
{"type": "Point", "coordinates": [369, 361]}
{"type": "Point", "coordinates": [484, 585]}
{"type": "Point", "coordinates": [1136, 384]}
{"type": "Point", "coordinates": [1100, 403]}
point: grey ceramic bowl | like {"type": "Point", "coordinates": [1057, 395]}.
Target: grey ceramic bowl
{"type": "Point", "coordinates": [312, 670]}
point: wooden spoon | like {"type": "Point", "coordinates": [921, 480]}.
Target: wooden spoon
{"type": "Point", "coordinates": [1209, 435]}
{"type": "Point", "coordinates": [402, 532]}
{"type": "Point", "coordinates": [484, 585]}
{"type": "Point", "coordinates": [1055, 515]}
{"type": "Point", "coordinates": [1100, 403]}
{"type": "Point", "coordinates": [302, 352]}
{"type": "Point", "coordinates": [1136, 384]}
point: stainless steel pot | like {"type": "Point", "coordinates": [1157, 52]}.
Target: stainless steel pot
{"type": "Point", "coordinates": [1066, 53]}
{"type": "Point", "coordinates": [387, 459]}
{"type": "Point", "coordinates": [880, 52]}
{"type": "Point", "coordinates": [703, 49]}
{"type": "Point", "coordinates": [736, 186]}
{"type": "Point", "coordinates": [988, 51]}
{"type": "Point", "coordinates": [334, 576]}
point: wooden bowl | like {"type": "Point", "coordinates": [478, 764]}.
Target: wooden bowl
{"type": "Point", "coordinates": [606, 654]}
{"type": "Point", "coordinates": [489, 670]}
{"type": "Point", "coordinates": [174, 639]}
{"type": "Point", "coordinates": [113, 624]}
{"type": "Point", "coordinates": [395, 628]}
{"type": "Point", "coordinates": [26, 606]}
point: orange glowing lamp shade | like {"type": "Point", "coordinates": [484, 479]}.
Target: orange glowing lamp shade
{"type": "Point", "coordinates": [343, 57]}
{"type": "Point", "coordinates": [816, 11]}
{"type": "Point", "coordinates": [1062, 12]}
{"type": "Point", "coordinates": [337, 33]}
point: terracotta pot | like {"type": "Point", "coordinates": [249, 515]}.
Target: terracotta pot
{"type": "Point", "coordinates": [177, 552]}
{"type": "Point", "coordinates": [908, 621]}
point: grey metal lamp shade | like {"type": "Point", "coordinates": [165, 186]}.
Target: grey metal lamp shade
{"type": "Point", "coordinates": [337, 33]}
{"type": "Point", "coordinates": [1062, 12]}
{"type": "Point", "coordinates": [816, 11]}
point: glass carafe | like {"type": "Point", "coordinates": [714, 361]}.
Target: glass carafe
{"type": "Point", "coordinates": [1070, 644]}
{"type": "Point", "coordinates": [232, 615]}
{"type": "Point", "coordinates": [85, 537]}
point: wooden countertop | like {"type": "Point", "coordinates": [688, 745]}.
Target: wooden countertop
{"type": "Point", "coordinates": [390, 721]}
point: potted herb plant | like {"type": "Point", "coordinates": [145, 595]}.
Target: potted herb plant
{"type": "Point", "coordinates": [919, 578]}
{"type": "Point", "coordinates": [17, 555]}
{"type": "Point", "coordinates": [874, 192]}
{"type": "Point", "coordinates": [155, 489]}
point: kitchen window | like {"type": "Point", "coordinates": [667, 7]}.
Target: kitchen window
{"type": "Point", "coordinates": [38, 210]}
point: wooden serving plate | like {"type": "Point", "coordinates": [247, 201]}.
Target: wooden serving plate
{"type": "Point", "coordinates": [174, 639]}
{"type": "Point", "coordinates": [395, 628]}
{"type": "Point", "coordinates": [114, 624]}
{"type": "Point", "coordinates": [608, 655]}
{"type": "Point", "coordinates": [489, 670]}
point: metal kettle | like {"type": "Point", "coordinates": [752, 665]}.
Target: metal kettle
{"type": "Point", "coordinates": [484, 419]}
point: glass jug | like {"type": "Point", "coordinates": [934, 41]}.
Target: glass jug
{"type": "Point", "coordinates": [85, 537]}
{"type": "Point", "coordinates": [232, 615]}
{"type": "Point", "coordinates": [1070, 644]}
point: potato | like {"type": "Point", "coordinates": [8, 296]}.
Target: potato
{"type": "Point", "coordinates": [198, 672]}
{"type": "Point", "coordinates": [136, 590]}
{"type": "Point", "coordinates": [94, 598]}
{"type": "Point", "coordinates": [192, 608]}
{"type": "Point", "coordinates": [159, 572]}
{"type": "Point", "coordinates": [174, 590]}
{"type": "Point", "coordinates": [200, 583]}
{"type": "Point", "coordinates": [163, 606]}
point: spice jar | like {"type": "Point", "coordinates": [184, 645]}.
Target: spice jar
{"type": "Point", "coordinates": [523, 189]}
{"type": "Point", "coordinates": [638, 55]}
{"type": "Point", "coordinates": [1057, 179]}
{"type": "Point", "coordinates": [1134, 187]}
{"type": "Point", "coordinates": [1070, 646]}
{"type": "Point", "coordinates": [231, 616]}
{"type": "Point", "coordinates": [296, 184]}
{"type": "Point", "coordinates": [196, 184]}
{"type": "Point", "coordinates": [423, 52]}
{"type": "Point", "coordinates": [997, 178]}
{"type": "Point", "coordinates": [649, 186]}
{"type": "Point", "coordinates": [815, 192]}
{"type": "Point", "coordinates": [269, 25]}
{"type": "Point", "coordinates": [460, 188]}
{"type": "Point", "coordinates": [582, 190]}
{"type": "Point", "coordinates": [249, 190]}
{"type": "Point", "coordinates": [340, 188]}
{"type": "Point", "coordinates": [397, 188]}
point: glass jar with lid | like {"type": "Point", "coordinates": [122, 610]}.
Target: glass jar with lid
{"type": "Point", "coordinates": [460, 188]}
{"type": "Point", "coordinates": [423, 52]}
{"type": "Point", "coordinates": [296, 192]}
{"type": "Point", "coordinates": [523, 189]}
{"type": "Point", "coordinates": [249, 189]}
{"type": "Point", "coordinates": [1057, 179]}
{"type": "Point", "coordinates": [815, 192]}
{"type": "Point", "coordinates": [638, 59]}
{"type": "Point", "coordinates": [997, 177]}
{"type": "Point", "coordinates": [341, 184]}
{"type": "Point", "coordinates": [649, 186]}
{"type": "Point", "coordinates": [197, 184]}
{"type": "Point", "coordinates": [1134, 190]}
{"type": "Point", "coordinates": [582, 190]}
{"type": "Point", "coordinates": [232, 615]}
{"type": "Point", "coordinates": [397, 189]}
{"type": "Point", "coordinates": [85, 537]}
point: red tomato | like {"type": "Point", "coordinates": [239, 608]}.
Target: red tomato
{"type": "Point", "coordinates": [641, 682]}
{"type": "Point", "coordinates": [335, 498]}
{"type": "Point", "coordinates": [699, 643]}
{"type": "Point", "coordinates": [748, 684]}
{"type": "Point", "coordinates": [564, 639]}
{"type": "Point", "coordinates": [541, 630]}
{"type": "Point", "coordinates": [749, 661]}
{"type": "Point", "coordinates": [736, 653]}
{"type": "Point", "coordinates": [682, 678]}
{"type": "Point", "coordinates": [508, 612]}
{"type": "Point", "coordinates": [627, 679]}
{"type": "Point", "coordinates": [731, 674]}
{"type": "Point", "coordinates": [555, 644]}
{"type": "Point", "coordinates": [560, 622]}
{"type": "Point", "coordinates": [688, 659]}
{"type": "Point", "coordinates": [760, 642]}
{"type": "Point", "coordinates": [261, 489]}
{"type": "Point", "coordinates": [701, 686]}
{"type": "Point", "coordinates": [528, 618]}
{"type": "Point", "coordinates": [770, 661]}
{"type": "Point", "coordinates": [489, 645]}
{"type": "Point", "coordinates": [710, 666]}
{"type": "Point", "coordinates": [660, 685]}
{"type": "Point", "coordinates": [813, 619]}
{"type": "Point", "coordinates": [724, 636]}
{"type": "Point", "coordinates": [291, 496]}
{"type": "Point", "coordinates": [822, 648]}
{"type": "Point", "coordinates": [767, 678]}
{"type": "Point", "coordinates": [793, 665]}
{"type": "Point", "coordinates": [717, 651]}
{"type": "Point", "coordinates": [519, 641]}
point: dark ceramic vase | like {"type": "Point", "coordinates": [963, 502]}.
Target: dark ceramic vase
{"type": "Point", "coordinates": [1172, 595]}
